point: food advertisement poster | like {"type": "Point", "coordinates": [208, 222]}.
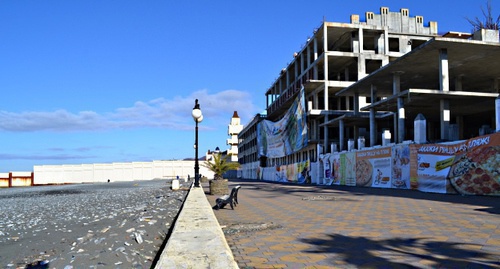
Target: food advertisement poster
{"type": "Point", "coordinates": [373, 168]}
{"type": "Point", "coordinates": [348, 168]}
{"type": "Point", "coordinates": [401, 167]}
{"type": "Point", "coordinates": [327, 169]}
{"type": "Point", "coordinates": [303, 172]}
{"type": "Point", "coordinates": [335, 163]}
{"type": "Point", "coordinates": [475, 170]}
{"type": "Point", "coordinates": [433, 163]}
{"type": "Point", "coordinates": [468, 167]}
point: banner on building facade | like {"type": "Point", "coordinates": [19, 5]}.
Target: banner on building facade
{"type": "Point", "coordinates": [286, 136]}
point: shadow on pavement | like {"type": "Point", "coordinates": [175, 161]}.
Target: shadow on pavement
{"type": "Point", "coordinates": [491, 204]}
{"type": "Point", "coordinates": [362, 251]}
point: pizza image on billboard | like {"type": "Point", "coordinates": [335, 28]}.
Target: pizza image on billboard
{"type": "Point", "coordinates": [477, 172]}
{"type": "Point", "coordinates": [364, 171]}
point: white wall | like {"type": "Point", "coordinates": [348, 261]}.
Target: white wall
{"type": "Point", "coordinates": [101, 172]}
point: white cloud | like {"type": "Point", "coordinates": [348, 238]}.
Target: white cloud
{"type": "Point", "coordinates": [164, 113]}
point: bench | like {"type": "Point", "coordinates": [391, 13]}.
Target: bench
{"type": "Point", "coordinates": [231, 199]}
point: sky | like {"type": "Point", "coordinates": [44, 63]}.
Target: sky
{"type": "Point", "coordinates": [87, 81]}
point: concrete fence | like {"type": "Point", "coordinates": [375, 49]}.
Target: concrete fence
{"type": "Point", "coordinates": [16, 179]}
{"type": "Point", "coordinates": [102, 172]}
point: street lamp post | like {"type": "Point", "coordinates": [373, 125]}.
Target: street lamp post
{"type": "Point", "coordinates": [198, 117]}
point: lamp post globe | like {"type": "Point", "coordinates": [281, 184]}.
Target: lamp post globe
{"type": "Point", "coordinates": [198, 117]}
{"type": "Point", "coordinates": [197, 114]}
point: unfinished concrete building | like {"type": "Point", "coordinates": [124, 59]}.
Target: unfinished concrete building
{"type": "Point", "coordinates": [334, 58]}
{"type": "Point", "coordinates": [355, 95]}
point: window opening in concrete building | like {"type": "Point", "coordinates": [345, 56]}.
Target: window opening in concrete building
{"type": "Point", "coordinates": [394, 44]}
{"type": "Point", "coordinates": [370, 41]}
{"type": "Point", "coordinates": [372, 65]}
{"type": "Point", "coordinates": [415, 43]}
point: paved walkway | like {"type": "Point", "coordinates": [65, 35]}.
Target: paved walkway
{"type": "Point", "coordinates": [280, 225]}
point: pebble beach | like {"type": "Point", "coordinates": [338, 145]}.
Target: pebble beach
{"type": "Point", "coordinates": [99, 225]}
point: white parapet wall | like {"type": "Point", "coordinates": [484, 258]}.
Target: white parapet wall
{"type": "Point", "coordinates": [102, 172]}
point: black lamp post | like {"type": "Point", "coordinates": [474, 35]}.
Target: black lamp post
{"type": "Point", "coordinates": [198, 117]}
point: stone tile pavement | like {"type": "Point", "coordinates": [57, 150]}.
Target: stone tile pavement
{"type": "Point", "coordinates": [279, 225]}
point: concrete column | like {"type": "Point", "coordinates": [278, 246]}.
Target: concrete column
{"type": "Point", "coordinates": [373, 93]}
{"type": "Point", "coordinates": [356, 103]}
{"type": "Point", "coordinates": [497, 113]}
{"type": "Point", "coordinates": [302, 62]}
{"type": "Point", "coordinates": [355, 134]}
{"type": "Point", "coordinates": [398, 122]}
{"type": "Point", "coordinates": [444, 107]}
{"type": "Point", "coordinates": [307, 59]}
{"type": "Point", "coordinates": [361, 67]}
{"type": "Point", "coordinates": [401, 120]}
{"type": "Point", "coordinates": [315, 57]}
{"type": "Point", "coordinates": [297, 67]}
{"type": "Point", "coordinates": [379, 40]}
{"type": "Point", "coordinates": [395, 130]}
{"type": "Point", "coordinates": [458, 83]}
{"type": "Point", "coordinates": [325, 68]}
{"type": "Point", "coordinates": [386, 40]}
{"type": "Point", "coordinates": [325, 130]}
{"type": "Point", "coordinates": [360, 38]}
{"type": "Point", "coordinates": [385, 60]}
{"type": "Point", "coordinates": [460, 122]}
{"type": "Point", "coordinates": [444, 77]}
{"type": "Point", "coordinates": [326, 89]}
{"type": "Point", "coordinates": [315, 48]}
{"type": "Point", "coordinates": [355, 42]}
{"type": "Point", "coordinates": [287, 75]}
{"type": "Point", "coordinates": [373, 130]}
{"type": "Point", "coordinates": [341, 135]}
{"type": "Point", "coordinates": [396, 82]}
{"type": "Point", "coordinates": [373, 126]}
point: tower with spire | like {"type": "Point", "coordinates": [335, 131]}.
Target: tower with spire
{"type": "Point", "coordinates": [234, 129]}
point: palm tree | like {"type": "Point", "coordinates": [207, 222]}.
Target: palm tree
{"type": "Point", "coordinates": [220, 165]}
{"type": "Point", "coordinates": [488, 23]}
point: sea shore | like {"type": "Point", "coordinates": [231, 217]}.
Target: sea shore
{"type": "Point", "coordinates": [100, 225]}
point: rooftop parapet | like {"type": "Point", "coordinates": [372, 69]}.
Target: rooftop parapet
{"type": "Point", "coordinates": [399, 22]}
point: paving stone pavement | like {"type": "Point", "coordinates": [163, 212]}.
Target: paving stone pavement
{"type": "Point", "coordinates": [280, 225]}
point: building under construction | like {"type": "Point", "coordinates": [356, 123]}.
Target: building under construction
{"type": "Point", "coordinates": [364, 84]}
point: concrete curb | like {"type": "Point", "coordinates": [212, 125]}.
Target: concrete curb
{"type": "Point", "coordinates": [197, 240]}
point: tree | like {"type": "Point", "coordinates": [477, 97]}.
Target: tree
{"type": "Point", "coordinates": [220, 165]}
{"type": "Point", "coordinates": [488, 23]}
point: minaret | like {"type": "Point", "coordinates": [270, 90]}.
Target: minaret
{"type": "Point", "coordinates": [234, 129]}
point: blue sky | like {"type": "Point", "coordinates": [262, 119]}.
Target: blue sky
{"type": "Point", "coordinates": [115, 81]}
